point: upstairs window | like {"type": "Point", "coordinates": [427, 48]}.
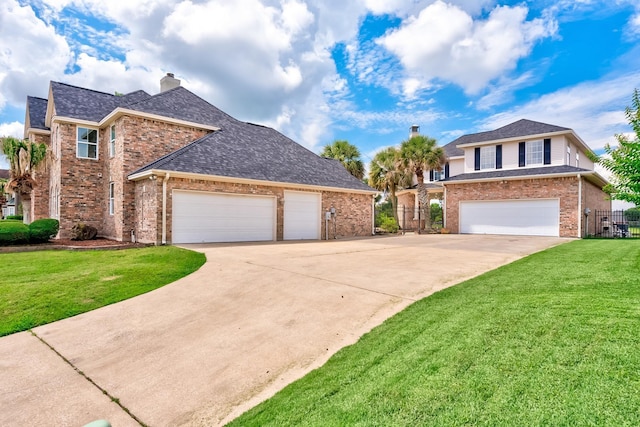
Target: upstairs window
{"type": "Point", "coordinates": [87, 143]}
{"type": "Point", "coordinates": [534, 152]}
{"type": "Point", "coordinates": [112, 141]}
{"type": "Point", "coordinates": [487, 157]}
{"type": "Point", "coordinates": [569, 155]}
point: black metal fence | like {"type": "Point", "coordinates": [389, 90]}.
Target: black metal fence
{"type": "Point", "coordinates": [615, 224]}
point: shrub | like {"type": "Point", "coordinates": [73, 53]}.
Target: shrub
{"type": "Point", "coordinates": [82, 231]}
{"type": "Point", "coordinates": [17, 217]}
{"type": "Point", "coordinates": [41, 230]}
{"type": "Point", "coordinates": [388, 224]}
{"type": "Point", "coordinates": [13, 233]}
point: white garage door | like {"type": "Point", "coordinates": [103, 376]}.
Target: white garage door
{"type": "Point", "coordinates": [214, 217]}
{"type": "Point", "coordinates": [517, 217]}
{"type": "Point", "coordinates": [301, 215]}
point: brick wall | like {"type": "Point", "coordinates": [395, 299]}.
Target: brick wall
{"type": "Point", "coordinates": [595, 199]}
{"type": "Point", "coordinates": [353, 211]}
{"type": "Point", "coordinates": [566, 189]}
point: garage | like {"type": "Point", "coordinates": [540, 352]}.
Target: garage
{"type": "Point", "coordinates": [200, 217]}
{"type": "Point", "coordinates": [301, 215]}
{"type": "Point", "coordinates": [532, 217]}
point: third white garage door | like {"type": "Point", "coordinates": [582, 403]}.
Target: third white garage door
{"type": "Point", "coordinates": [215, 217]}
{"type": "Point", "coordinates": [301, 215]}
{"type": "Point", "coordinates": [516, 217]}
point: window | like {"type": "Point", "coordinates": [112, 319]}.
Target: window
{"type": "Point", "coordinates": [488, 157]}
{"type": "Point", "coordinates": [569, 155]}
{"type": "Point", "coordinates": [87, 145]}
{"type": "Point", "coordinates": [112, 192]}
{"type": "Point", "coordinates": [577, 160]}
{"type": "Point", "coordinates": [112, 141]}
{"type": "Point", "coordinates": [535, 151]}
{"type": "Point", "coordinates": [438, 175]}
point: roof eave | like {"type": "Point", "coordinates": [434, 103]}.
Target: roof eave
{"type": "Point", "coordinates": [119, 112]}
{"type": "Point", "coordinates": [592, 174]}
{"type": "Point", "coordinates": [520, 138]}
{"type": "Point", "coordinates": [148, 174]}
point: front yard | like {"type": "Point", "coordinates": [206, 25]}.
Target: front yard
{"type": "Point", "coordinates": [552, 339]}
{"type": "Point", "coordinates": [44, 286]}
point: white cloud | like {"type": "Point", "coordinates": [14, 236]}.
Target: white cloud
{"type": "Point", "coordinates": [444, 42]}
{"type": "Point", "coordinates": [594, 109]}
{"type": "Point", "coordinates": [30, 53]}
{"type": "Point", "coordinates": [15, 129]}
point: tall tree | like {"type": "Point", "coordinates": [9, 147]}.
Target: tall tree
{"type": "Point", "coordinates": [417, 155]}
{"type": "Point", "coordinates": [386, 174]}
{"type": "Point", "coordinates": [623, 161]}
{"type": "Point", "coordinates": [23, 156]}
{"type": "Point", "coordinates": [348, 154]}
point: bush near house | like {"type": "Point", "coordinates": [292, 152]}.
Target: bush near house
{"type": "Point", "coordinates": [16, 217]}
{"type": "Point", "coordinates": [13, 233]}
{"type": "Point", "coordinates": [41, 230]}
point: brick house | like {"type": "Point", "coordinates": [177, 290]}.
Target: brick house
{"type": "Point", "coordinates": [526, 178]}
{"type": "Point", "coordinates": [172, 168]}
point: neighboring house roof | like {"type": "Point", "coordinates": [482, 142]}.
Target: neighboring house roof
{"type": "Point", "coordinates": [249, 151]}
{"type": "Point", "coordinates": [37, 109]}
{"type": "Point", "coordinates": [5, 173]}
{"type": "Point", "coordinates": [520, 172]}
{"type": "Point", "coordinates": [521, 128]}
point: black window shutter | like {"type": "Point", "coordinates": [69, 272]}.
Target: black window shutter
{"type": "Point", "coordinates": [521, 154]}
{"type": "Point", "coordinates": [547, 151]}
{"type": "Point", "coordinates": [431, 175]}
{"type": "Point", "coordinates": [498, 156]}
{"type": "Point", "coordinates": [477, 162]}
{"type": "Point", "coordinates": [446, 170]}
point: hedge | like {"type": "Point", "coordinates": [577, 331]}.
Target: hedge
{"type": "Point", "coordinates": [41, 230]}
{"type": "Point", "coordinates": [13, 233]}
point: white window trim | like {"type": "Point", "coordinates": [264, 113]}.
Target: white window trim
{"type": "Point", "coordinates": [112, 195]}
{"type": "Point", "coordinates": [488, 158]}
{"type": "Point", "coordinates": [529, 152]}
{"type": "Point", "coordinates": [112, 140]}
{"type": "Point", "coordinates": [78, 142]}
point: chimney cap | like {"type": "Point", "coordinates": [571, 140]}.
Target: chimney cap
{"type": "Point", "coordinates": [170, 75]}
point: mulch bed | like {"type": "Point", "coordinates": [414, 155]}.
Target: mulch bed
{"type": "Point", "coordinates": [68, 244]}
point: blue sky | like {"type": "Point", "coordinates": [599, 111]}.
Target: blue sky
{"type": "Point", "coordinates": [320, 70]}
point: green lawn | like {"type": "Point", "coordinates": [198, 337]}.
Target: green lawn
{"type": "Point", "coordinates": [44, 286]}
{"type": "Point", "coordinates": [552, 339]}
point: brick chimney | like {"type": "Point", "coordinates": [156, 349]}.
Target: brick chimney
{"type": "Point", "coordinates": [168, 82]}
{"type": "Point", "coordinates": [415, 131]}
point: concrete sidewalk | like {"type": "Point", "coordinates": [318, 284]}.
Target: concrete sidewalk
{"type": "Point", "coordinates": [255, 317]}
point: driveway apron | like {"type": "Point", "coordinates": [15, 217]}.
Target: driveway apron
{"type": "Point", "coordinates": [254, 318]}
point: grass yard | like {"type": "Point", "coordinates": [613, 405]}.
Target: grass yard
{"type": "Point", "coordinates": [44, 286]}
{"type": "Point", "coordinates": [552, 339]}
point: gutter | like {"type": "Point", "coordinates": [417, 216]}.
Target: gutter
{"type": "Point", "coordinates": [164, 208]}
{"type": "Point", "coordinates": [579, 206]}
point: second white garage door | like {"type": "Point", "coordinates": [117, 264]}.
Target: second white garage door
{"type": "Point", "coordinates": [213, 217]}
{"type": "Point", "coordinates": [516, 217]}
{"type": "Point", "coordinates": [301, 215]}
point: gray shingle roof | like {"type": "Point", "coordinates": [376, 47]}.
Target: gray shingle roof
{"type": "Point", "coordinates": [520, 172]}
{"type": "Point", "coordinates": [37, 108]}
{"type": "Point", "coordinates": [245, 150]}
{"type": "Point", "coordinates": [521, 128]}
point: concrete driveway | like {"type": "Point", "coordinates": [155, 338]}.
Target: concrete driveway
{"type": "Point", "coordinates": [255, 317]}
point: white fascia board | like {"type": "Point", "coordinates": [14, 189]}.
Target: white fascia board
{"type": "Point", "coordinates": [38, 131]}
{"type": "Point", "coordinates": [522, 177]}
{"type": "Point", "coordinates": [187, 175]}
{"type": "Point", "coordinates": [118, 112]}
{"type": "Point", "coordinates": [518, 138]}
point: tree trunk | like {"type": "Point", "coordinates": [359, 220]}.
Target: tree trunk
{"type": "Point", "coordinates": [25, 206]}
{"type": "Point", "coordinates": [394, 205]}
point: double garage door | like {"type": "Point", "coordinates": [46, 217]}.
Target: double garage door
{"type": "Point", "coordinates": [199, 217]}
{"type": "Point", "coordinates": [516, 217]}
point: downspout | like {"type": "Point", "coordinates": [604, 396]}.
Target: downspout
{"type": "Point", "coordinates": [579, 206]}
{"type": "Point", "coordinates": [164, 208]}
{"type": "Point", "coordinates": [444, 206]}
{"type": "Point", "coordinates": [373, 215]}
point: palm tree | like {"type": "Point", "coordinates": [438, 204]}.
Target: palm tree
{"type": "Point", "coordinates": [386, 174]}
{"type": "Point", "coordinates": [348, 154]}
{"type": "Point", "coordinates": [23, 156]}
{"type": "Point", "coordinates": [418, 154]}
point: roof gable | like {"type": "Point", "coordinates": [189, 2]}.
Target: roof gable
{"type": "Point", "coordinates": [36, 112]}
{"type": "Point", "coordinates": [521, 128]}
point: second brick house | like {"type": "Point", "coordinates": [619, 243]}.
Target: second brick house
{"type": "Point", "coordinates": [172, 168]}
{"type": "Point", "coordinates": [525, 178]}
